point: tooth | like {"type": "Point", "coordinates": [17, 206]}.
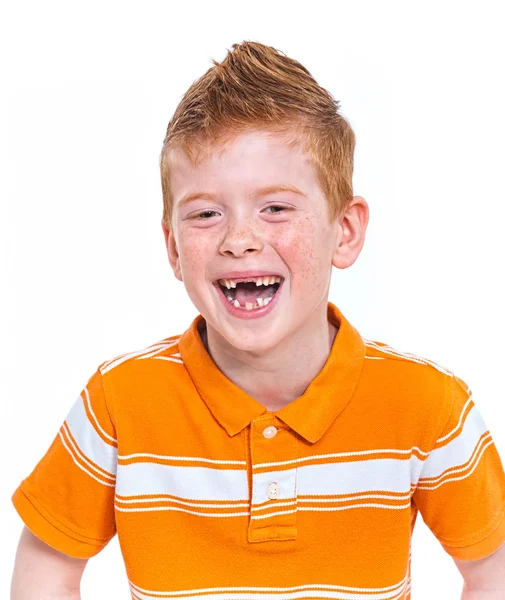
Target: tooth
{"type": "Point", "coordinates": [227, 283]}
{"type": "Point", "coordinates": [272, 279]}
{"type": "Point", "coordinates": [267, 300]}
{"type": "Point", "coordinates": [232, 283]}
{"type": "Point", "coordinates": [230, 298]}
{"type": "Point", "coordinates": [259, 301]}
{"type": "Point", "coordinates": [236, 303]}
{"type": "Point", "coordinates": [277, 279]}
{"type": "Point", "coordinates": [265, 280]}
{"type": "Point", "coordinates": [249, 306]}
{"type": "Point", "coordinates": [259, 281]}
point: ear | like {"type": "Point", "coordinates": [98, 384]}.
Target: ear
{"type": "Point", "coordinates": [352, 229]}
{"type": "Point", "coordinates": [173, 254]}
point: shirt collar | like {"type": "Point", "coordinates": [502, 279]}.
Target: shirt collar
{"type": "Point", "coordinates": [311, 414]}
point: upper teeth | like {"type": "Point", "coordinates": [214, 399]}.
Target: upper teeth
{"type": "Point", "coordinates": [231, 283]}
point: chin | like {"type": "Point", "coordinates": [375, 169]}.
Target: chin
{"type": "Point", "coordinates": [252, 342]}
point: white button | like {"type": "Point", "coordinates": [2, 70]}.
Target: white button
{"type": "Point", "coordinates": [273, 490]}
{"type": "Point", "coordinates": [270, 432]}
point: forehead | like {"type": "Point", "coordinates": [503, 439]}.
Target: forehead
{"type": "Point", "coordinates": [246, 161]}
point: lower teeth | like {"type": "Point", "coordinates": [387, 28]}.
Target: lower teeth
{"type": "Point", "coordinates": [248, 305]}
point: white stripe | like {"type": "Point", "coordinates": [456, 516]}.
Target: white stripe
{"type": "Point", "coordinates": [339, 592]}
{"type": "Point", "coordinates": [381, 474]}
{"type": "Point", "coordinates": [176, 360]}
{"type": "Point", "coordinates": [163, 498]}
{"type": "Point", "coordinates": [90, 443]}
{"type": "Point", "coordinates": [208, 484]}
{"type": "Point", "coordinates": [294, 461]}
{"type": "Point", "coordinates": [159, 350]}
{"type": "Point", "coordinates": [336, 508]}
{"type": "Point", "coordinates": [80, 466]}
{"type": "Point", "coordinates": [248, 513]}
{"type": "Point", "coordinates": [408, 356]}
{"type": "Point", "coordinates": [485, 443]}
{"type": "Point", "coordinates": [184, 510]}
{"type": "Point", "coordinates": [197, 483]}
{"type": "Point", "coordinates": [124, 357]}
{"type": "Point", "coordinates": [77, 451]}
{"type": "Point", "coordinates": [147, 349]}
{"type": "Point", "coordinates": [448, 435]}
{"type": "Point", "coordinates": [256, 508]}
{"type": "Point", "coordinates": [104, 433]}
{"type": "Point", "coordinates": [328, 499]}
{"type": "Point", "coordinates": [181, 458]}
{"type": "Point", "coordinates": [459, 450]}
{"type": "Point", "coordinates": [318, 457]}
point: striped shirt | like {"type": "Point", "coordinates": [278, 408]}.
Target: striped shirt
{"type": "Point", "coordinates": [215, 497]}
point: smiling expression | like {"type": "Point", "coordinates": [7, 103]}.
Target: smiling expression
{"type": "Point", "coordinates": [255, 205]}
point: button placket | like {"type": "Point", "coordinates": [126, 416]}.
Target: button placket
{"type": "Point", "coordinates": [270, 444]}
{"type": "Point", "coordinates": [273, 488]}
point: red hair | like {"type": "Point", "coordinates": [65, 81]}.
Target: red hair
{"type": "Point", "coordinates": [259, 87]}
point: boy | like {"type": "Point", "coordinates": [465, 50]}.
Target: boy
{"type": "Point", "coordinates": [269, 450]}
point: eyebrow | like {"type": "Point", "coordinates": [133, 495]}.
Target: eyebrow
{"type": "Point", "coordinates": [264, 191]}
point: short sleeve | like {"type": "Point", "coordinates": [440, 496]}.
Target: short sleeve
{"type": "Point", "coordinates": [461, 488]}
{"type": "Point", "coordinates": [68, 499]}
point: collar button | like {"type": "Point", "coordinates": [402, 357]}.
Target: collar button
{"type": "Point", "coordinates": [270, 432]}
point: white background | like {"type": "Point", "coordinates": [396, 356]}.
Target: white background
{"type": "Point", "coordinates": [87, 92]}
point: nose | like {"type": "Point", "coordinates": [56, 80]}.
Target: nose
{"type": "Point", "coordinates": [241, 238]}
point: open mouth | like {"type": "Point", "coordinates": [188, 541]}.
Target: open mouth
{"type": "Point", "coordinates": [251, 294]}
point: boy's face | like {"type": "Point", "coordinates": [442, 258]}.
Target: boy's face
{"type": "Point", "coordinates": [236, 228]}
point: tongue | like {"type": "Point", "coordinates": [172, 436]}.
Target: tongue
{"type": "Point", "coordinates": [246, 293]}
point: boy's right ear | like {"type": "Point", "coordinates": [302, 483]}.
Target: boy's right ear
{"type": "Point", "coordinates": [173, 253]}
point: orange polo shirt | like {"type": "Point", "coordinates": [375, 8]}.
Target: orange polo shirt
{"type": "Point", "coordinates": [212, 496]}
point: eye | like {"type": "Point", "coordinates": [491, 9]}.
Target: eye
{"type": "Point", "coordinates": [205, 212]}
{"type": "Point", "coordinates": [200, 217]}
{"type": "Point", "coordinates": [275, 206]}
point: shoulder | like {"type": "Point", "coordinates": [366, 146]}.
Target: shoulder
{"type": "Point", "coordinates": [400, 361]}
{"type": "Point", "coordinates": [138, 382]}
{"type": "Point", "coordinates": [382, 350]}
{"type": "Point", "coordinates": [419, 386]}
{"type": "Point", "coordinates": [149, 359]}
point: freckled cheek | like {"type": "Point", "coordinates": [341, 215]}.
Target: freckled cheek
{"type": "Point", "coordinates": [300, 249]}
{"type": "Point", "coordinates": [194, 254]}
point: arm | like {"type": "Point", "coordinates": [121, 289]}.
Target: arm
{"type": "Point", "coordinates": [469, 594]}
{"type": "Point", "coordinates": [40, 571]}
{"type": "Point", "coordinates": [484, 578]}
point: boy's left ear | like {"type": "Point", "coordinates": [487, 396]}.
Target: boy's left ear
{"type": "Point", "coordinates": [352, 230]}
{"type": "Point", "coordinates": [173, 254]}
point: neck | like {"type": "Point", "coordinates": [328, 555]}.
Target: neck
{"type": "Point", "coordinates": [278, 379]}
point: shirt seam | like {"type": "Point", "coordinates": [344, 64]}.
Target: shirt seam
{"type": "Point", "coordinates": [489, 529]}
{"type": "Point", "coordinates": [61, 527]}
{"type": "Point", "coordinates": [110, 410]}
{"type": "Point", "coordinates": [441, 417]}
